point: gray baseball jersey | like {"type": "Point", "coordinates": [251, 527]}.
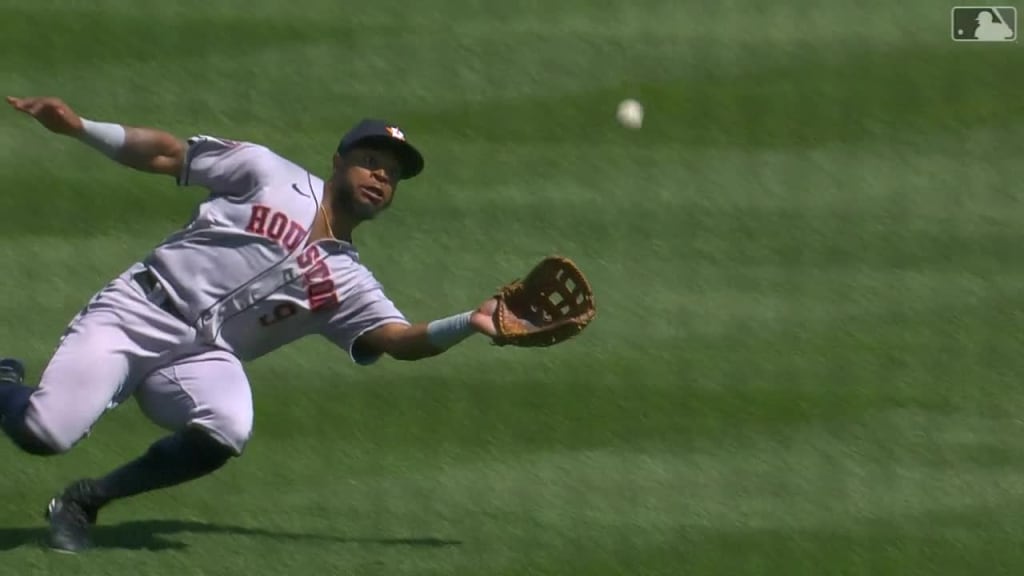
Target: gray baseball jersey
{"type": "Point", "coordinates": [242, 272]}
{"type": "Point", "coordinates": [244, 279]}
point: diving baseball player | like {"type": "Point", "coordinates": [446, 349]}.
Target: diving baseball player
{"type": "Point", "coordinates": [267, 259]}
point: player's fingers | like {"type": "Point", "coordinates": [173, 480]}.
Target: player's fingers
{"type": "Point", "coordinates": [32, 109]}
{"type": "Point", "coordinates": [35, 106]}
{"type": "Point", "coordinates": [17, 103]}
{"type": "Point", "coordinates": [25, 104]}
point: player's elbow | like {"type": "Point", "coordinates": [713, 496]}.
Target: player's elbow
{"type": "Point", "coordinates": [164, 155]}
{"type": "Point", "coordinates": [398, 341]}
{"type": "Point", "coordinates": [170, 159]}
{"type": "Point", "coordinates": [410, 350]}
{"type": "Point", "coordinates": [409, 353]}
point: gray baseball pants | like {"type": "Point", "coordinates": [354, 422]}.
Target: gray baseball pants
{"type": "Point", "coordinates": [125, 344]}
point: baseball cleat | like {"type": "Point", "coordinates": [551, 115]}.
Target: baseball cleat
{"type": "Point", "coordinates": [70, 516]}
{"type": "Point", "coordinates": [12, 371]}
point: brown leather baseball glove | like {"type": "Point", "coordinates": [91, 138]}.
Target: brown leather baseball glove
{"type": "Point", "coordinates": [553, 303]}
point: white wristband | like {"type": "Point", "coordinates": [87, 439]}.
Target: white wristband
{"type": "Point", "coordinates": [447, 332]}
{"type": "Point", "coordinates": [105, 137]}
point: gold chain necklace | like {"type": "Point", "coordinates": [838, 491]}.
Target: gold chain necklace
{"type": "Point", "coordinates": [327, 220]}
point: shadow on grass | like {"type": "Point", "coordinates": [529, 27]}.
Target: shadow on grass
{"type": "Point", "coordinates": [152, 535]}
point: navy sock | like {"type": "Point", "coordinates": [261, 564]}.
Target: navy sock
{"type": "Point", "coordinates": [175, 459]}
{"type": "Point", "coordinates": [13, 400]}
{"type": "Point", "coordinates": [13, 403]}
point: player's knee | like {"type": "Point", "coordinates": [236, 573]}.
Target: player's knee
{"type": "Point", "coordinates": [231, 430]}
{"type": "Point", "coordinates": [30, 441]}
{"type": "Point", "coordinates": [34, 435]}
{"type": "Point", "coordinates": [209, 451]}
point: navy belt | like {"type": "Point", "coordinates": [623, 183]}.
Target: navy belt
{"type": "Point", "coordinates": [156, 293]}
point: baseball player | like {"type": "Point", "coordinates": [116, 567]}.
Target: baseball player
{"type": "Point", "coordinates": [268, 258]}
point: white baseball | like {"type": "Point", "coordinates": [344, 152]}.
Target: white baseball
{"type": "Point", "coordinates": [630, 114]}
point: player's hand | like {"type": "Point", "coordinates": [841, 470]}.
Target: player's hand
{"type": "Point", "coordinates": [483, 318]}
{"type": "Point", "coordinates": [52, 113]}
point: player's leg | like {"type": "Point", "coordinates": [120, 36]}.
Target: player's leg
{"type": "Point", "coordinates": [207, 402]}
{"type": "Point", "coordinates": [118, 335]}
{"type": "Point", "coordinates": [84, 375]}
{"type": "Point", "coordinates": [180, 457]}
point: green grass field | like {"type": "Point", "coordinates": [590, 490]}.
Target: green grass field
{"type": "Point", "coordinates": [808, 354]}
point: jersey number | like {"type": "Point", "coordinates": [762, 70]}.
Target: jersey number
{"type": "Point", "coordinates": [282, 311]}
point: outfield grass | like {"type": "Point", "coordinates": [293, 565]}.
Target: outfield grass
{"type": "Point", "coordinates": [808, 349]}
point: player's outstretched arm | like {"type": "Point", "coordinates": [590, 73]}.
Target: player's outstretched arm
{"type": "Point", "coordinates": [423, 340]}
{"type": "Point", "coordinates": [145, 149]}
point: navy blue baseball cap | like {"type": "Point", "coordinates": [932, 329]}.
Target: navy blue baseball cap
{"type": "Point", "coordinates": [374, 132]}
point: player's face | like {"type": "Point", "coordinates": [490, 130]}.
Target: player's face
{"type": "Point", "coordinates": [366, 181]}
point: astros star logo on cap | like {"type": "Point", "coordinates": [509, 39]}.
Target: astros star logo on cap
{"type": "Point", "coordinates": [396, 133]}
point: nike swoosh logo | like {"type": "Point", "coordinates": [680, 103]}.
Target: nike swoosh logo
{"type": "Point", "coordinates": [299, 190]}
